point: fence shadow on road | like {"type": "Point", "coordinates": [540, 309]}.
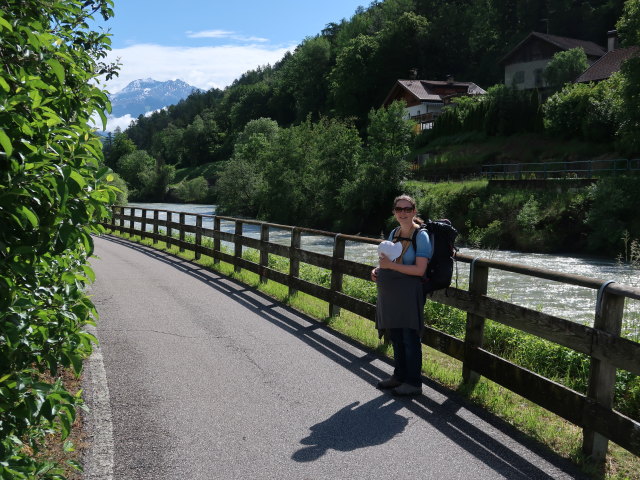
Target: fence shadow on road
{"type": "Point", "coordinates": [377, 421]}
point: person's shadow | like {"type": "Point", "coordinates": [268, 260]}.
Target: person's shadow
{"type": "Point", "coordinates": [352, 427]}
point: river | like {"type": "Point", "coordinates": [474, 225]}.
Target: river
{"type": "Point", "coordinates": [565, 301]}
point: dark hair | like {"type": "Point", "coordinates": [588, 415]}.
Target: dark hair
{"type": "Point", "coordinates": [404, 197]}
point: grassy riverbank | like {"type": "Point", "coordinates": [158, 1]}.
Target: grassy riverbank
{"type": "Point", "coordinates": [554, 216]}
{"type": "Point", "coordinates": [544, 358]}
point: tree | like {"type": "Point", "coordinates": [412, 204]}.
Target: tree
{"type": "Point", "coordinates": [629, 28]}
{"type": "Point", "coordinates": [53, 194]}
{"type": "Point", "coordinates": [381, 172]}
{"type": "Point", "coordinates": [119, 146]}
{"type": "Point", "coordinates": [565, 66]}
{"type": "Point", "coordinates": [240, 185]}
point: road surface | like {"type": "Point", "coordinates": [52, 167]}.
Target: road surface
{"type": "Point", "coordinates": [199, 377]}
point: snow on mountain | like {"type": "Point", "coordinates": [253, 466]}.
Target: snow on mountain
{"type": "Point", "coordinates": [143, 96]}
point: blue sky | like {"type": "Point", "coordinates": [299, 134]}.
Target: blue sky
{"type": "Point", "coordinates": [211, 43]}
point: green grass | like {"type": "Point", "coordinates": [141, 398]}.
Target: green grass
{"type": "Point", "coordinates": [559, 435]}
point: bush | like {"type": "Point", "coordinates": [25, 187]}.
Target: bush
{"type": "Point", "coordinates": [586, 111]}
{"type": "Point", "coordinates": [194, 190]}
{"type": "Point", "coordinates": [53, 193]}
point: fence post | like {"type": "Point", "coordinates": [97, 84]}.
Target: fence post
{"type": "Point", "coordinates": [336, 277]}
{"type": "Point", "coordinates": [181, 231]}
{"type": "Point", "coordinates": [602, 378]}
{"type": "Point", "coordinates": [478, 280]}
{"type": "Point", "coordinates": [264, 251]}
{"type": "Point", "coordinates": [237, 247]}
{"type": "Point", "coordinates": [114, 209]}
{"type": "Point", "coordinates": [216, 239]}
{"type": "Point", "coordinates": [294, 262]}
{"type": "Point", "coordinates": [198, 236]}
{"type": "Point", "coordinates": [169, 233]}
{"type": "Point", "coordinates": [132, 213]}
{"type": "Point", "coordinates": [156, 228]}
{"type": "Point", "coordinates": [143, 223]}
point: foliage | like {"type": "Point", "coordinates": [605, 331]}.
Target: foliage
{"type": "Point", "coordinates": [554, 220]}
{"type": "Point", "coordinates": [613, 211]}
{"type": "Point", "coordinates": [502, 111]}
{"type": "Point", "coordinates": [349, 67]}
{"type": "Point", "coordinates": [52, 196]}
{"type": "Point", "coordinates": [367, 197]}
{"type": "Point", "coordinates": [145, 177]}
{"type": "Point", "coordinates": [116, 146]}
{"type": "Point", "coordinates": [191, 191]}
{"type": "Point", "coordinates": [591, 112]}
{"type": "Point", "coordinates": [628, 25]}
{"type": "Point", "coordinates": [565, 66]}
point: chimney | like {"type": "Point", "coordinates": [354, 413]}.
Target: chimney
{"type": "Point", "coordinates": [612, 40]}
{"type": "Point", "coordinates": [413, 74]}
{"type": "Point", "coordinates": [449, 78]}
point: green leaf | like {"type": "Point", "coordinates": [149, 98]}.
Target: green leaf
{"type": "Point", "coordinates": [57, 68]}
{"type": "Point", "coordinates": [76, 177]}
{"type": "Point", "coordinates": [6, 143]}
{"type": "Point", "coordinates": [27, 213]}
{"type": "Point", "coordinates": [5, 24]}
{"type": "Point", "coordinates": [4, 85]}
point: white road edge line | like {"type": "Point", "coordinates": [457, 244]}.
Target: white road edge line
{"type": "Point", "coordinates": [99, 458]}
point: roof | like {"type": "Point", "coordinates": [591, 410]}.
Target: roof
{"type": "Point", "coordinates": [591, 49]}
{"type": "Point", "coordinates": [607, 65]}
{"type": "Point", "coordinates": [427, 90]}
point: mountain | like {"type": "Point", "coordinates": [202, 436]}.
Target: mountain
{"type": "Point", "coordinates": [143, 96]}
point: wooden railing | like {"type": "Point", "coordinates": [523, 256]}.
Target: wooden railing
{"type": "Point", "coordinates": [574, 169]}
{"type": "Point", "coordinates": [608, 351]}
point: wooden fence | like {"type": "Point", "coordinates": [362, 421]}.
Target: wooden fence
{"type": "Point", "coordinates": [608, 351]}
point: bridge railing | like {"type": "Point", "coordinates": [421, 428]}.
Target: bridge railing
{"type": "Point", "coordinates": [574, 169]}
{"type": "Point", "coordinates": [603, 343]}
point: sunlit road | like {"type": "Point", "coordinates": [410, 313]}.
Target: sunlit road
{"type": "Point", "coordinates": [199, 377]}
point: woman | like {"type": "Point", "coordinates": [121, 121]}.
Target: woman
{"type": "Point", "coordinates": [399, 308]}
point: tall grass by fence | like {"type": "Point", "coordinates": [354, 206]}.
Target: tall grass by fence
{"type": "Point", "coordinates": [608, 351]}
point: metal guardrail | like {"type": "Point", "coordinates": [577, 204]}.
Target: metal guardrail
{"type": "Point", "coordinates": [547, 170]}
{"type": "Point", "coordinates": [593, 411]}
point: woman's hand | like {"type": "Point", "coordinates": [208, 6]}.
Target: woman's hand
{"type": "Point", "coordinates": [385, 262]}
{"type": "Point", "coordinates": [374, 274]}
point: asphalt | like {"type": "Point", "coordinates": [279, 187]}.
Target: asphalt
{"type": "Point", "coordinates": [199, 377]}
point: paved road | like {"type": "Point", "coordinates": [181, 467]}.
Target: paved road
{"type": "Point", "coordinates": [199, 377]}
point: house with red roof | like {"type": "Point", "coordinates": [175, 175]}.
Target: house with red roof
{"type": "Point", "coordinates": [426, 98]}
{"type": "Point", "coordinates": [525, 63]}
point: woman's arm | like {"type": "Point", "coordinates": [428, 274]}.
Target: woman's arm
{"type": "Point", "coordinates": [418, 269]}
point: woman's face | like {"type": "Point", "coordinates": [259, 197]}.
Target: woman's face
{"type": "Point", "coordinates": [403, 209]}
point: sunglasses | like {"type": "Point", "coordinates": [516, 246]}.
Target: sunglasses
{"type": "Point", "coordinates": [403, 209]}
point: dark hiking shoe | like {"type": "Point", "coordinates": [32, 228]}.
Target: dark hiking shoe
{"type": "Point", "coordinates": [406, 390]}
{"type": "Point", "coordinates": [389, 383]}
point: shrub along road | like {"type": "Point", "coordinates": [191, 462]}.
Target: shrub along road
{"type": "Point", "coordinates": [200, 377]}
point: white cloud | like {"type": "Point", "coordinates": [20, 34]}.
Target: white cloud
{"type": "Point", "coordinates": [225, 34]}
{"type": "Point", "coordinates": [210, 34]}
{"type": "Point", "coordinates": [203, 67]}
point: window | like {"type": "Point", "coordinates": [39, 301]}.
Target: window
{"type": "Point", "coordinates": [537, 73]}
{"type": "Point", "coordinates": [518, 77]}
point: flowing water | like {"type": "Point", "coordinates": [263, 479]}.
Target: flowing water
{"type": "Point", "coordinates": [558, 299]}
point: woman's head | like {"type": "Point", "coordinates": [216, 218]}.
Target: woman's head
{"type": "Point", "coordinates": [405, 205]}
{"type": "Point", "coordinates": [404, 202]}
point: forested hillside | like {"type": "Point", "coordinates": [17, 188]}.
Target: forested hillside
{"type": "Point", "coordinates": [348, 68]}
{"type": "Point", "coordinates": [306, 142]}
